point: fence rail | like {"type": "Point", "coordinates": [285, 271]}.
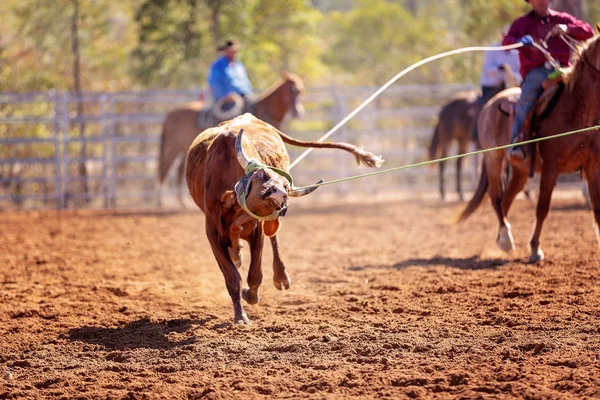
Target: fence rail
{"type": "Point", "coordinates": [107, 157]}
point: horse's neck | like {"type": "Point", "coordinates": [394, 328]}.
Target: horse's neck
{"type": "Point", "coordinates": [579, 105]}
{"type": "Point", "coordinates": [269, 108]}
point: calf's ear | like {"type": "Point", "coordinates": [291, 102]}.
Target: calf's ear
{"type": "Point", "coordinates": [228, 199]}
{"type": "Point", "coordinates": [270, 228]}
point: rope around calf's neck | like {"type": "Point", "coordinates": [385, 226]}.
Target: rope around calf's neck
{"type": "Point", "coordinates": [394, 79]}
{"type": "Point", "coordinates": [506, 146]}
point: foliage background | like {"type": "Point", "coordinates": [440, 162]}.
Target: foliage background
{"type": "Point", "coordinates": [145, 44]}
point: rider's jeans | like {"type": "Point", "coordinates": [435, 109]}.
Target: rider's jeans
{"type": "Point", "coordinates": [530, 91]}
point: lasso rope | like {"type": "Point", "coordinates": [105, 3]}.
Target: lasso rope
{"type": "Point", "coordinates": [591, 128]}
{"type": "Point", "coordinates": [394, 79]}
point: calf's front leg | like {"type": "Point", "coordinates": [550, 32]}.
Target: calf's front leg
{"type": "Point", "coordinates": [233, 280]}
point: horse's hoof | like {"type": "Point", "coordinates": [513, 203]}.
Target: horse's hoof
{"type": "Point", "coordinates": [242, 320]}
{"type": "Point", "coordinates": [250, 296]}
{"type": "Point", "coordinates": [505, 241]}
{"type": "Point", "coordinates": [282, 282]}
{"type": "Point", "coordinates": [536, 256]}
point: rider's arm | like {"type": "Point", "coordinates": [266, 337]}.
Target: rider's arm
{"type": "Point", "coordinates": [576, 28]}
{"type": "Point", "coordinates": [516, 31]}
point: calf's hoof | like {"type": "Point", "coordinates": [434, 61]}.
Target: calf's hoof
{"type": "Point", "coordinates": [235, 253]}
{"type": "Point", "coordinates": [250, 296]}
{"type": "Point", "coordinates": [282, 282]}
{"type": "Point", "coordinates": [536, 256]}
{"type": "Point", "coordinates": [505, 240]}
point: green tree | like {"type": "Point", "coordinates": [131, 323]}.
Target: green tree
{"type": "Point", "coordinates": [377, 39]}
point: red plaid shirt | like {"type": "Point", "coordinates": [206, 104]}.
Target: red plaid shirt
{"type": "Point", "coordinates": [538, 27]}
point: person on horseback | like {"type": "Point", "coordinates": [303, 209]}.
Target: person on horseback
{"type": "Point", "coordinates": [535, 26]}
{"type": "Point", "coordinates": [493, 75]}
{"type": "Point", "coordinates": [492, 78]}
{"type": "Point", "coordinates": [229, 83]}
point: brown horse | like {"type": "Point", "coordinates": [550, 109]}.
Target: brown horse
{"type": "Point", "coordinates": [181, 126]}
{"type": "Point", "coordinates": [456, 122]}
{"type": "Point", "coordinates": [578, 106]}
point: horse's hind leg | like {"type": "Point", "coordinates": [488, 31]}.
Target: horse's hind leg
{"type": "Point", "coordinates": [517, 183]}
{"type": "Point", "coordinates": [462, 148]}
{"type": "Point", "coordinates": [592, 173]}
{"type": "Point", "coordinates": [180, 174]}
{"type": "Point", "coordinates": [547, 183]}
{"type": "Point", "coordinates": [441, 178]}
{"type": "Point", "coordinates": [494, 163]}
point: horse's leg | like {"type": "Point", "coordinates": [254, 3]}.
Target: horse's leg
{"type": "Point", "coordinates": [442, 165]}
{"type": "Point", "coordinates": [281, 279]}
{"type": "Point", "coordinates": [517, 182]}
{"type": "Point", "coordinates": [494, 164]}
{"type": "Point", "coordinates": [547, 183]}
{"type": "Point", "coordinates": [462, 148]}
{"type": "Point", "coordinates": [255, 273]}
{"type": "Point", "coordinates": [233, 280]}
{"type": "Point", "coordinates": [180, 174]}
{"type": "Point", "coordinates": [592, 173]}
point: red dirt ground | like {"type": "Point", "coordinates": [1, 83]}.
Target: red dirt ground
{"type": "Point", "coordinates": [388, 299]}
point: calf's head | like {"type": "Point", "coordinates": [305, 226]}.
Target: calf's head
{"type": "Point", "coordinates": [263, 192]}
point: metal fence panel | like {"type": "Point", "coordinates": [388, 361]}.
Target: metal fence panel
{"type": "Point", "coordinates": [107, 155]}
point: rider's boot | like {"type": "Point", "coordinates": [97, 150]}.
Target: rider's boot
{"type": "Point", "coordinates": [517, 153]}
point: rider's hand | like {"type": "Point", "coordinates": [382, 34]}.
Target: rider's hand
{"type": "Point", "coordinates": [527, 40]}
{"type": "Point", "coordinates": [559, 29]}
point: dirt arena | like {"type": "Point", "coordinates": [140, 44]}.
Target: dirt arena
{"type": "Point", "coordinates": [388, 299]}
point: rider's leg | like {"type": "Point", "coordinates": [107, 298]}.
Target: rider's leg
{"type": "Point", "coordinates": [530, 91]}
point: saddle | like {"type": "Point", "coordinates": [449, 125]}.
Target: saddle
{"type": "Point", "coordinates": [553, 87]}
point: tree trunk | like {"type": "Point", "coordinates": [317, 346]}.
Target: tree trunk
{"type": "Point", "coordinates": [215, 7]}
{"type": "Point", "coordinates": [573, 7]}
{"type": "Point", "coordinates": [77, 89]}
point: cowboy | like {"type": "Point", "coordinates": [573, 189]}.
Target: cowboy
{"type": "Point", "coordinates": [493, 75]}
{"type": "Point", "coordinates": [535, 26]}
{"type": "Point", "coordinates": [229, 83]}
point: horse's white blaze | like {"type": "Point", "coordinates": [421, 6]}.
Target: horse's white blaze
{"type": "Point", "coordinates": [506, 242]}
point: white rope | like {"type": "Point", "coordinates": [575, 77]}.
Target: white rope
{"type": "Point", "coordinates": [394, 79]}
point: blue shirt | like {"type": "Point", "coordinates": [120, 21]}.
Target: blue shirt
{"type": "Point", "coordinates": [226, 77]}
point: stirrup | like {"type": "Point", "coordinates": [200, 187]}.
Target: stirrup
{"type": "Point", "coordinates": [517, 153]}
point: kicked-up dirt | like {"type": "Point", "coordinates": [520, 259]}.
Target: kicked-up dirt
{"type": "Point", "coordinates": [388, 299]}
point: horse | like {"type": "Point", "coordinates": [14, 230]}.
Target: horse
{"type": "Point", "coordinates": [181, 125]}
{"type": "Point", "coordinates": [456, 122]}
{"type": "Point", "coordinates": [577, 107]}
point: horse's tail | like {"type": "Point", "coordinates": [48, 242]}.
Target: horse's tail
{"type": "Point", "coordinates": [477, 197]}
{"type": "Point", "coordinates": [362, 157]}
{"type": "Point", "coordinates": [435, 142]}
